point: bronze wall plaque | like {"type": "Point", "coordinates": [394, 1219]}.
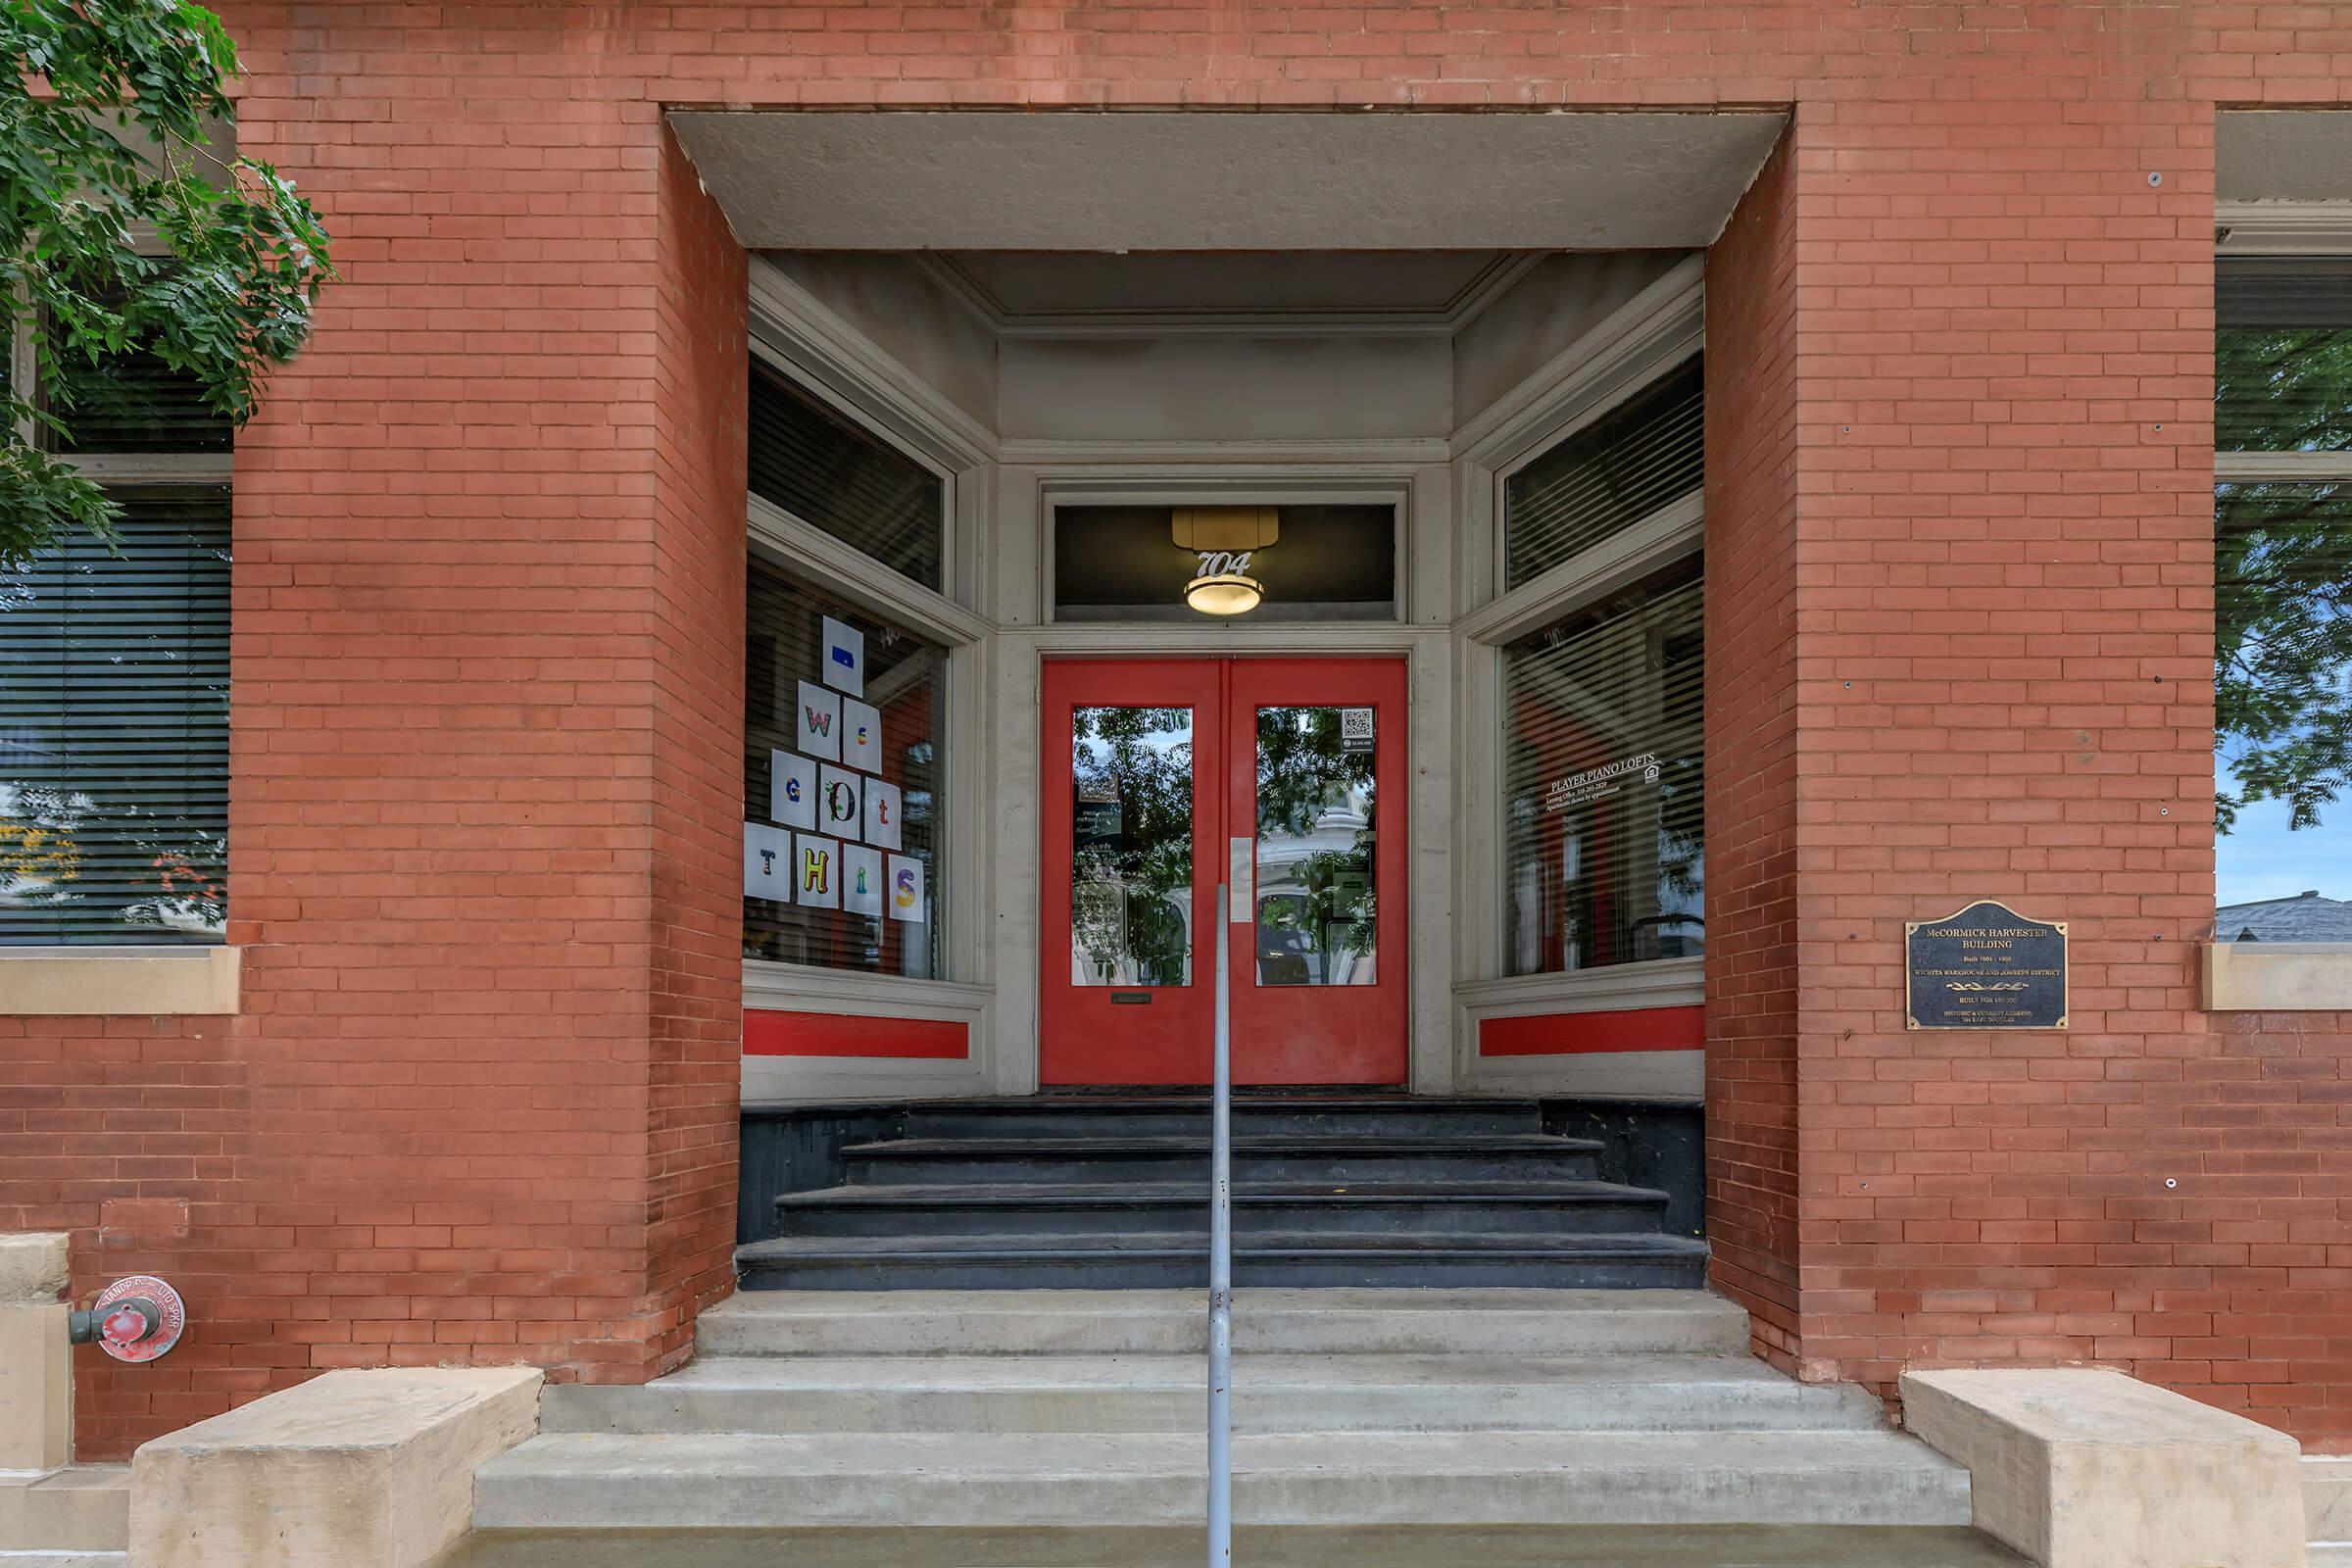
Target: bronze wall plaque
{"type": "Point", "coordinates": [1987, 967]}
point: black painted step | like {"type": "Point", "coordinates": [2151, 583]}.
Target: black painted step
{"type": "Point", "coordinates": [1159, 1261]}
{"type": "Point", "coordinates": [1186, 1115]}
{"type": "Point", "coordinates": [1375, 1210]}
{"type": "Point", "coordinates": [1507, 1157]}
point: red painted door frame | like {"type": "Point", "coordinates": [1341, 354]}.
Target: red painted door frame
{"type": "Point", "coordinates": [1303, 1035]}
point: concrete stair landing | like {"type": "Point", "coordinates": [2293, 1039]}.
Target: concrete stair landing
{"type": "Point", "coordinates": [942, 1421]}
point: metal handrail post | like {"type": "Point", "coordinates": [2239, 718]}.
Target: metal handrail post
{"type": "Point", "coordinates": [1220, 1264]}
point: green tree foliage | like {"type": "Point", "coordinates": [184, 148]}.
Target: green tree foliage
{"type": "Point", "coordinates": [103, 107]}
{"type": "Point", "coordinates": [2283, 574]}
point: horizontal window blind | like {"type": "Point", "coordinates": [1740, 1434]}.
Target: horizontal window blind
{"type": "Point", "coordinates": [834, 477]}
{"type": "Point", "coordinates": [114, 729]}
{"type": "Point", "coordinates": [128, 404]}
{"type": "Point", "coordinates": [2282, 355]}
{"type": "Point", "coordinates": [133, 404]}
{"type": "Point", "coordinates": [1607, 476]}
{"type": "Point", "coordinates": [1602, 778]}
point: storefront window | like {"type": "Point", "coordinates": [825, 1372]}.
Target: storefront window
{"type": "Point", "coordinates": [1601, 771]}
{"type": "Point", "coordinates": [845, 730]}
{"type": "Point", "coordinates": [2283, 604]}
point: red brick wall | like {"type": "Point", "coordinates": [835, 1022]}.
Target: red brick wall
{"type": "Point", "coordinates": [1750, 705]}
{"type": "Point", "coordinates": [702, 363]}
{"type": "Point", "coordinates": [475, 1107]}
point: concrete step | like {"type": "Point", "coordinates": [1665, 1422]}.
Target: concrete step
{"type": "Point", "coordinates": [1187, 1116]}
{"type": "Point", "coordinates": [1075, 1481]}
{"type": "Point", "coordinates": [1167, 1394]}
{"type": "Point", "coordinates": [1150, 1260]}
{"type": "Point", "coordinates": [1389, 1547]}
{"type": "Point", "coordinates": [1365, 1209]}
{"type": "Point", "coordinates": [1363, 1322]}
{"type": "Point", "coordinates": [1510, 1158]}
{"type": "Point", "coordinates": [79, 1508]}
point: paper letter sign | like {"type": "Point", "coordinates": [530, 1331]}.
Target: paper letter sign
{"type": "Point", "coordinates": [844, 658]}
{"type": "Point", "coordinates": [860, 880]}
{"type": "Point", "coordinates": [860, 735]}
{"type": "Point", "coordinates": [906, 889]}
{"type": "Point", "coordinates": [815, 872]}
{"type": "Point", "coordinates": [792, 789]}
{"type": "Point", "coordinates": [837, 799]}
{"type": "Point", "coordinates": [766, 862]}
{"type": "Point", "coordinates": [882, 815]}
{"type": "Point", "coordinates": [819, 718]}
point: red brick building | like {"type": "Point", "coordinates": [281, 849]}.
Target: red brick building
{"type": "Point", "coordinates": [459, 1075]}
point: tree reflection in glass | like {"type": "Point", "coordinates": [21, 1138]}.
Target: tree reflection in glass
{"type": "Point", "coordinates": [1131, 847]}
{"type": "Point", "coordinates": [1315, 833]}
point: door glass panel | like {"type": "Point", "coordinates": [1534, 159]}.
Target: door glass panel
{"type": "Point", "coordinates": [1314, 894]}
{"type": "Point", "coordinates": [1131, 847]}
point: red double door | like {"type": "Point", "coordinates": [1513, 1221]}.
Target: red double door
{"type": "Point", "coordinates": [1283, 778]}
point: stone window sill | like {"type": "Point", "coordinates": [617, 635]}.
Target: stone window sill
{"type": "Point", "coordinates": [2278, 976]}
{"type": "Point", "coordinates": [118, 982]}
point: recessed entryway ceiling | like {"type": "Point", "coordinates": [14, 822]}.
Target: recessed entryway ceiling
{"type": "Point", "coordinates": [1205, 181]}
{"type": "Point", "coordinates": [1032, 293]}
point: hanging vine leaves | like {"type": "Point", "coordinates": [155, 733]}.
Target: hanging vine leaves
{"type": "Point", "coordinates": [104, 108]}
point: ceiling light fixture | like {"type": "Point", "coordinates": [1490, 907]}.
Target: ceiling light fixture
{"type": "Point", "coordinates": [1224, 539]}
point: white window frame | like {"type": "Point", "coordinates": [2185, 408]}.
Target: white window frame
{"type": "Point", "coordinates": [2278, 976]}
{"type": "Point", "coordinates": [1645, 339]}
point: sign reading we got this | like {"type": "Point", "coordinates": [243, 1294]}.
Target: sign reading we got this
{"type": "Point", "coordinates": [829, 791]}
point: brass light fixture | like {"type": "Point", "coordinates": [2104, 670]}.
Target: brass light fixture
{"type": "Point", "coordinates": [1224, 538]}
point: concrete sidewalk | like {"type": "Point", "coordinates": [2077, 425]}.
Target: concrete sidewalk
{"type": "Point", "coordinates": [1744, 1546]}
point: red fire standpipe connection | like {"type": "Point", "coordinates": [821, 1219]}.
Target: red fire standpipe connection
{"type": "Point", "coordinates": [137, 1319]}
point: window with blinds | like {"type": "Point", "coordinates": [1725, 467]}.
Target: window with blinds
{"type": "Point", "coordinates": [2283, 600]}
{"type": "Point", "coordinates": [1603, 774]}
{"type": "Point", "coordinates": [114, 729]}
{"type": "Point", "coordinates": [834, 476]}
{"type": "Point", "coordinates": [1605, 477]}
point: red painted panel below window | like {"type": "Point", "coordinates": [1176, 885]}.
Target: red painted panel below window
{"type": "Point", "coordinates": [831, 1033]}
{"type": "Point", "coordinates": [1567, 1034]}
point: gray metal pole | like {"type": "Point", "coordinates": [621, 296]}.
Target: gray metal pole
{"type": "Point", "coordinates": [1220, 1264]}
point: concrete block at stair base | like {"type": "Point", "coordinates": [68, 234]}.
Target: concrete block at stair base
{"type": "Point", "coordinates": [2078, 1468]}
{"type": "Point", "coordinates": [32, 1268]}
{"type": "Point", "coordinates": [2328, 1497]}
{"type": "Point", "coordinates": [373, 1467]}
{"type": "Point", "coordinates": [82, 1507]}
{"type": "Point", "coordinates": [36, 1387]}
